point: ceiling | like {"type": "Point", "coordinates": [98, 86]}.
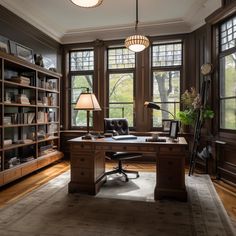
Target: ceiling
{"type": "Point", "coordinates": [113, 19]}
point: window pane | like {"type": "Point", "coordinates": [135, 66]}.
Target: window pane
{"type": "Point", "coordinates": [228, 34]}
{"type": "Point", "coordinates": [166, 92]}
{"type": "Point", "coordinates": [82, 60]}
{"type": "Point", "coordinates": [167, 55]}
{"type": "Point", "coordinates": [228, 76]}
{"type": "Point", "coordinates": [228, 114]}
{"type": "Point", "coordinates": [79, 83]}
{"type": "Point", "coordinates": [119, 58]}
{"type": "Point", "coordinates": [121, 95]}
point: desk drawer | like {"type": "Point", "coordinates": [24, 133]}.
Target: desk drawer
{"type": "Point", "coordinates": [167, 165]}
{"type": "Point", "coordinates": [82, 175]}
{"type": "Point", "coordinates": [170, 180]}
{"type": "Point", "coordinates": [82, 160]}
{"type": "Point", "coordinates": [81, 146]}
{"type": "Point", "coordinates": [171, 150]}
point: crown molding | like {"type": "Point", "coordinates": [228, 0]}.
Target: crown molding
{"type": "Point", "coordinates": [177, 26]}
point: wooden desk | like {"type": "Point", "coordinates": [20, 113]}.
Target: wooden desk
{"type": "Point", "coordinates": [88, 164]}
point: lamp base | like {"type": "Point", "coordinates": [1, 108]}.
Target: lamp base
{"type": "Point", "coordinates": [88, 136]}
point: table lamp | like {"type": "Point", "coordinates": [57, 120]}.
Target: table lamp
{"type": "Point", "coordinates": [153, 105]}
{"type": "Point", "coordinates": [87, 101]}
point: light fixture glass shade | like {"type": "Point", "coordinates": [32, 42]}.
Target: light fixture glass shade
{"type": "Point", "coordinates": [137, 43]}
{"type": "Point", "coordinates": [87, 3]}
{"type": "Point", "coordinates": [87, 101]}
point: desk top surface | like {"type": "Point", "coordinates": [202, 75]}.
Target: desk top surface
{"type": "Point", "coordinates": [140, 140]}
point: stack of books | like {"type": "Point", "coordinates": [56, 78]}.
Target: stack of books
{"type": "Point", "coordinates": [21, 80]}
{"type": "Point", "coordinates": [22, 99]}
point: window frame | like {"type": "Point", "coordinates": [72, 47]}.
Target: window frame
{"type": "Point", "coordinates": [79, 73]}
{"type": "Point", "coordinates": [223, 54]}
{"type": "Point", "coordinates": [120, 71]}
{"type": "Point", "coordinates": [166, 68]}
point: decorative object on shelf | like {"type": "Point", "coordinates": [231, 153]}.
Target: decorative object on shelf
{"type": "Point", "coordinates": [87, 3]}
{"type": "Point", "coordinates": [38, 60]}
{"type": "Point", "coordinates": [7, 98]}
{"type": "Point", "coordinates": [24, 52]}
{"type": "Point", "coordinates": [192, 103]}
{"type": "Point", "coordinates": [4, 44]}
{"type": "Point", "coordinates": [87, 101]}
{"type": "Point", "coordinates": [137, 42]}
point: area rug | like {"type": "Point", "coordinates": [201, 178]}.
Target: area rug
{"type": "Point", "coordinates": [120, 209]}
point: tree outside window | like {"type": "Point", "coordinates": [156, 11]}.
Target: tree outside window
{"type": "Point", "coordinates": [81, 77]}
{"type": "Point", "coordinates": [121, 65]}
{"type": "Point", "coordinates": [166, 76]}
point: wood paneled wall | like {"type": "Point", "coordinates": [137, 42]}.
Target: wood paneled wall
{"type": "Point", "coordinates": [16, 29]}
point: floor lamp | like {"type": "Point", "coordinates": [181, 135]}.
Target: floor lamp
{"type": "Point", "coordinates": [88, 102]}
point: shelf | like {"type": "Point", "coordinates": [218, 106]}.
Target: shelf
{"type": "Point", "coordinates": [18, 62]}
{"type": "Point", "coordinates": [14, 115]}
{"type": "Point", "coordinates": [18, 105]}
{"type": "Point", "coordinates": [13, 146]}
{"type": "Point", "coordinates": [16, 85]}
{"type": "Point", "coordinates": [19, 125]}
{"type": "Point", "coordinates": [48, 139]}
{"type": "Point", "coordinates": [45, 106]}
{"type": "Point", "coordinates": [48, 123]}
{"type": "Point", "coordinates": [48, 90]}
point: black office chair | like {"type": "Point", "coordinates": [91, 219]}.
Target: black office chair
{"type": "Point", "coordinates": [119, 126]}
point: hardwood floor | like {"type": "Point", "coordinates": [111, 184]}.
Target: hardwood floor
{"type": "Point", "coordinates": [19, 188]}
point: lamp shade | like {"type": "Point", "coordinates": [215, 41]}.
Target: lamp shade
{"type": "Point", "coordinates": [87, 101]}
{"type": "Point", "coordinates": [87, 3]}
{"type": "Point", "coordinates": [137, 43]}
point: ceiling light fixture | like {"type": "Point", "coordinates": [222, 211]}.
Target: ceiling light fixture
{"type": "Point", "coordinates": [87, 3]}
{"type": "Point", "coordinates": [137, 42]}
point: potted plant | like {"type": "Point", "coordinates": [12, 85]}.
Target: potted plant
{"type": "Point", "coordinates": [192, 104]}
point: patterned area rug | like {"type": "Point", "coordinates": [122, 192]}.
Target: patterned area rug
{"type": "Point", "coordinates": [120, 208]}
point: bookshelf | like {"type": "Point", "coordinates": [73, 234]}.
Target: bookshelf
{"type": "Point", "coordinates": [29, 117]}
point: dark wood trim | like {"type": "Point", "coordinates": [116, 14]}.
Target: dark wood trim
{"type": "Point", "coordinates": [221, 13]}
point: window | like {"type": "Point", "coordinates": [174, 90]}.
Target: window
{"type": "Point", "coordinates": [166, 76]}
{"type": "Point", "coordinates": [228, 74]}
{"type": "Point", "coordinates": [81, 77]}
{"type": "Point", "coordinates": [121, 66]}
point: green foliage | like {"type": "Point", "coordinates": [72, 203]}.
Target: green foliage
{"type": "Point", "coordinates": [187, 117]}
{"type": "Point", "coordinates": [192, 103]}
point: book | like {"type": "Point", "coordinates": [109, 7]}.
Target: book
{"type": "Point", "coordinates": [124, 137]}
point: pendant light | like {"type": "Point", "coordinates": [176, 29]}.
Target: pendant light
{"type": "Point", "coordinates": [87, 3]}
{"type": "Point", "coordinates": [137, 43]}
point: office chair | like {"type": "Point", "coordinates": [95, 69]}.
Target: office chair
{"type": "Point", "coordinates": [119, 126]}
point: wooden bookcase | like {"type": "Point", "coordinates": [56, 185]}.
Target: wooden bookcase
{"type": "Point", "coordinates": [29, 117]}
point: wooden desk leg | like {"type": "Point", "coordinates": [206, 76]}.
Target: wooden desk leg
{"type": "Point", "coordinates": [170, 174]}
{"type": "Point", "coordinates": [87, 170]}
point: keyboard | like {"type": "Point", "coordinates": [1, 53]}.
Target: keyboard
{"type": "Point", "coordinates": [124, 137]}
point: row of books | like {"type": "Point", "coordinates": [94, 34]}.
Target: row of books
{"type": "Point", "coordinates": [18, 118]}
{"type": "Point", "coordinates": [44, 117]}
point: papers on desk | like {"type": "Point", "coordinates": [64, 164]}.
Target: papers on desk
{"type": "Point", "coordinates": [124, 137]}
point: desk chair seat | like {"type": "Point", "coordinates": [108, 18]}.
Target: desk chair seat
{"type": "Point", "coordinates": [119, 127]}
